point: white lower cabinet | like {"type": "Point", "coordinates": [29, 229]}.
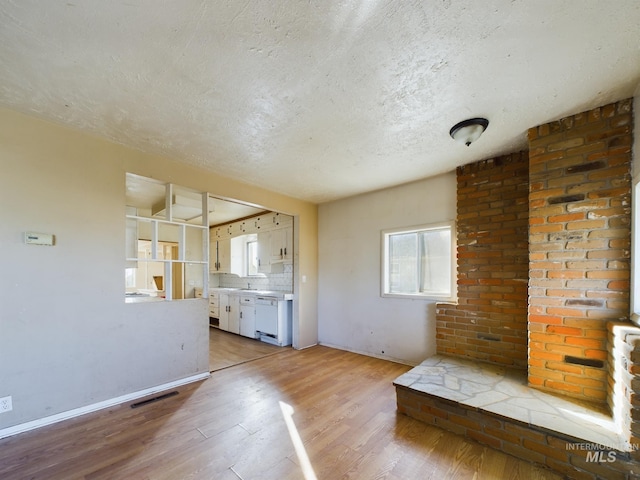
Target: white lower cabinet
{"type": "Point", "coordinates": [254, 315]}
{"type": "Point", "coordinates": [214, 308]}
{"type": "Point", "coordinates": [248, 316]}
{"type": "Point", "coordinates": [229, 308]}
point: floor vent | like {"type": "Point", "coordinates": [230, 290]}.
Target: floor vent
{"type": "Point", "coordinates": [154, 399]}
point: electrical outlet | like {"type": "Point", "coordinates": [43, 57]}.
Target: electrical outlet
{"type": "Point", "coordinates": [6, 404]}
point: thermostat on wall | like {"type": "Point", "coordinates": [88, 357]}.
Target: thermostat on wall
{"type": "Point", "coordinates": [33, 238]}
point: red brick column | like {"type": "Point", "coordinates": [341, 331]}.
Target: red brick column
{"type": "Point", "coordinates": [579, 243]}
{"type": "Point", "coordinates": [489, 323]}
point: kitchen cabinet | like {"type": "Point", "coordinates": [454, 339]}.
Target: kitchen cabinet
{"type": "Point", "coordinates": [214, 308]}
{"type": "Point", "coordinates": [219, 250]}
{"type": "Point", "coordinates": [213, 256]}
{"type": "Point", "coordinates": [262, 315]}
{"type": "Point", "coordinates": [224, 255]}
{"type": "Point", "coordinates": [264, 252]}
{"type": "Point", "coordinates": [234, 313]}
{"type": "Point", "coordinates": [229, 312]}
{"type": "Point", "coordinates": [263, 222]}
{"type": "Point", "coordinates": [281, 220]}
{"type": "Point", "coordinates": [223, 312]}
{"type": "Point", "coordinates": [233, 229]}
{"type": "Point", "coordinates": [248, 316]}
{"type": "Point", "coordinates": [271, 220]}
{"type": "Point", "coordinates": [282, 245]}
{"type": "Point", "coordinates": [218, 233]}
{"type": "Point", "coordinates": [275, 248]}
{"type": "Point", "coordinates": [249, 226]}
{"type": "Point", "coordinates": [274, 236]}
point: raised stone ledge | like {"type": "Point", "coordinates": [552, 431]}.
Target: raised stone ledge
{"type": "Point", "coordinates": [494, 406]}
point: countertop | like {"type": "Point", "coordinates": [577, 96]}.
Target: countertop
{"type": "Point", "coordinates": [258, 293]}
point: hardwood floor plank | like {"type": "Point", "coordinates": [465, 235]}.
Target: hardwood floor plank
{"type": "Point", "coordinates": [228, 349]}
{"type": "Point", "coordinates": [232, 426]}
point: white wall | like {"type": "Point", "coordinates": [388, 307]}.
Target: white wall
{"type": "Point", "coordinates": [67, 338]}
{"type": "Point", "coordinates": [352, 314]}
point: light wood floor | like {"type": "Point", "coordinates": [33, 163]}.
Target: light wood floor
{"type": "Point", "coordinates": [232, 427]}
{"type": "Point", "coordinates": [227, 349]}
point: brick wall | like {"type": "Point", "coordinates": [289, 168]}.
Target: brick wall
{"type": "Point", "coordinates": [489, 323]}
{"type": "Point", "coordinates": [579, 242]}
{"type": "Point", "coordinates": [624, 381]}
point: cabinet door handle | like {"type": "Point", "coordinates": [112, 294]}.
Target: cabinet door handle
{"type": "Point", "coordinates": [240, 314]}
{"type": "Point", "coordinates": [280, 252]}
{"type": "Point", "coordinates": [285, 251]}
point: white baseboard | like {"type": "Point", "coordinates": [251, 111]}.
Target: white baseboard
{"type": "Point", "coordinates": [59, 417]}
{"type": "Point", "coordinates": [368, 354]}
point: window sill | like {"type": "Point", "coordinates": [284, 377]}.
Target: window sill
{"type": "Point", "coordinates": [430, 298]}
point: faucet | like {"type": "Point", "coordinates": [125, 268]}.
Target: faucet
{"type": "Point", "coordinates": [248, 286]}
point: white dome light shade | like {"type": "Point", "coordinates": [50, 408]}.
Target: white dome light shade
{"type": "Point", "coordinates": [468, 131]}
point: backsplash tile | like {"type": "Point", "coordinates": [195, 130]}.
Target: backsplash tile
{"type": "Point", "coordinates": [279, 282]}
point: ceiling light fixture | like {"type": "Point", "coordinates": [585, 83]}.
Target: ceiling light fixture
{"type": "Point", "coordinates": [468, 131]}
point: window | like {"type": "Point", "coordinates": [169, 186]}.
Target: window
{"type": "Point", "coordinates": [252, 258]}
{"type": "Point", "coordinates": [419, 262]}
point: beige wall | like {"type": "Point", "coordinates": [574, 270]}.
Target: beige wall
{"type": "Point", "coordinates": [353, 314]}
{"type": "Point", "coordinates": [67, 339]}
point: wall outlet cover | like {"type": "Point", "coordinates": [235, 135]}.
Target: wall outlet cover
{"type": "Point", "coordinates": [6, 405]}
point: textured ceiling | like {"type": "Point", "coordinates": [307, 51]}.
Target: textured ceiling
{"type": "Point", "coordinates": [316, 99]}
